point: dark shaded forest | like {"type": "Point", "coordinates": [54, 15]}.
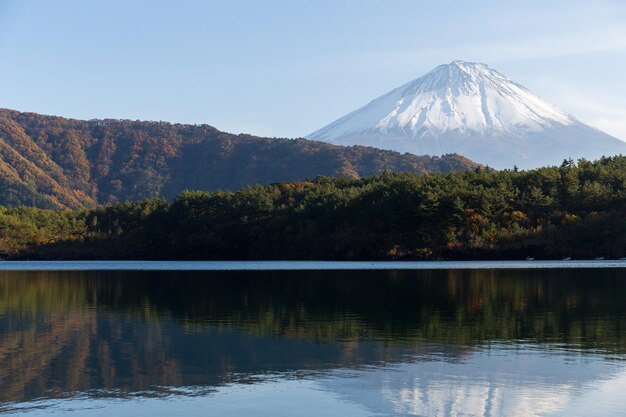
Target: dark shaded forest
{"type": "Point", "coordinates": [577, 210]}
{"type": "Point", "coordinates": [53, 162]}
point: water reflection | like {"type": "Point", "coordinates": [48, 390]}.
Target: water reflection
{"type": "Point", "coordinates": [369, 343]}
{"type": "Point", "coordinates": [492, 383]}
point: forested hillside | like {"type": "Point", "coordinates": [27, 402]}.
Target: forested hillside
{"type": "Point", "coordinates": [577, 210]}
{"type": "Point", "coordinates": [53, 162]}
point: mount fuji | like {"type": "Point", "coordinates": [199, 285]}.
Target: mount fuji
{"type": "Point", "coordinates": [473, 110]}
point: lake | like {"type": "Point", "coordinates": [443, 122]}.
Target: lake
{"type": "Point", "coordinates": [312, 339]}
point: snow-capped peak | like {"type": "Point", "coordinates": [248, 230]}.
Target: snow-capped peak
{"type": "Point", "coordinates": [460, 96]}
{"type": "Point", "coordinates": [470, 109]}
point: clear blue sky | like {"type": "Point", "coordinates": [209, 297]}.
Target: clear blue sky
{"type": "Point", "coordinates": [287, 68]}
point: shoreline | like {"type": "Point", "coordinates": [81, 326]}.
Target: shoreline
{"type": "Point", "coordinates": [302, 265]}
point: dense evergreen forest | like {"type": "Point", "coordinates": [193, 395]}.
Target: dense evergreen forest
{"type": "Point", "coordinates": [577, 209]}
{"type": "Point", "coordinates": [53, 162]}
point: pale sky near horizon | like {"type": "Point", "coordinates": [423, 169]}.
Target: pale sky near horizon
{"type": "Point", "coordinates": [286, 68]}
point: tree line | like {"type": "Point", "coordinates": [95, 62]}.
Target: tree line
{"type": "Point", "coordinates": [576, 209]}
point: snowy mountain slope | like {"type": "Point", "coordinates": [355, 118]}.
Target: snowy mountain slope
{"type": "Point", "coordinates": [473, 110]}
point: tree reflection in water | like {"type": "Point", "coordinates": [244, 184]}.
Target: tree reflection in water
{"type": "Point", "coordinates": [145, 333]}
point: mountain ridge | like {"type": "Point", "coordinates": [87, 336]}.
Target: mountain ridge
{"type": "Point", "coordinates": [57, 162]}
{"type": "Point", "coordinates": [471, 109]}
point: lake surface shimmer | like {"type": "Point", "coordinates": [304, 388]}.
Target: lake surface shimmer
{"type": "Point", "coordinates": [313, 341]}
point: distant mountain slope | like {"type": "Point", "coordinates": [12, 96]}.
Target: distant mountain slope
{"type": "Point", "coordinates": [53, 162]}
{"type": "Point", "coordinates": [473, 110]}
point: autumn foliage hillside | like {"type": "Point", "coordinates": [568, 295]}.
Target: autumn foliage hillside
{"type": "Point", "coordinates": [54, 162]}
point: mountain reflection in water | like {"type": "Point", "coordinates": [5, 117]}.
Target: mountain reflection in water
{"type": "Point", "coordinates": [519, 342]}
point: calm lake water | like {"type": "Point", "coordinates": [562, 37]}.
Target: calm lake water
{"type": "Point", "coordinates": [313, 339]}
